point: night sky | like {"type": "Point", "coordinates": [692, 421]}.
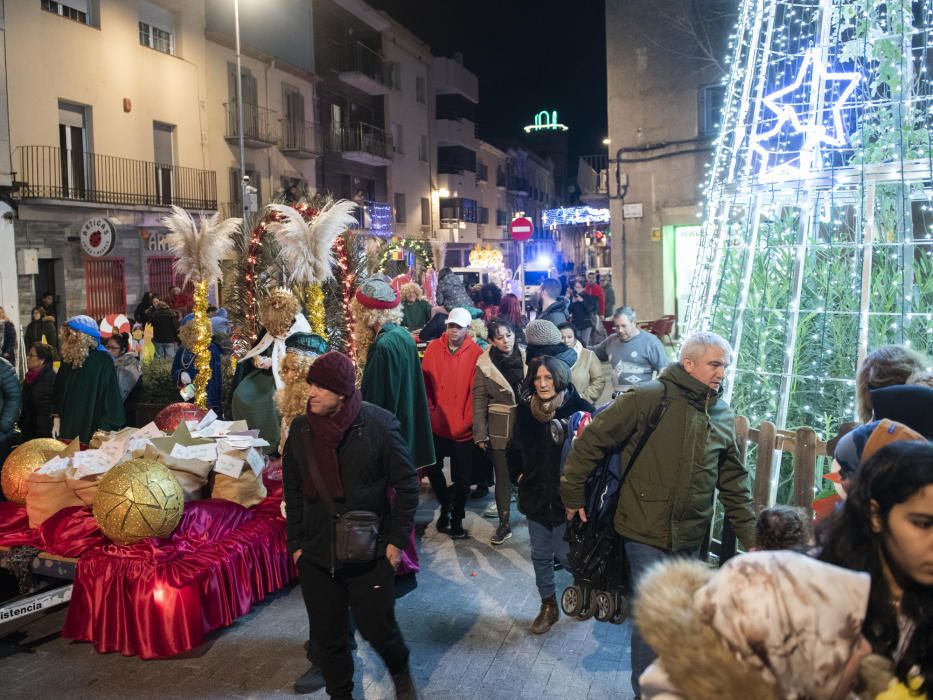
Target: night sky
{"type": "Point", "coordinates": [529, 55]}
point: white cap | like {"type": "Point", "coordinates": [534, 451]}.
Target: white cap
{"type": "Point", "coordinates": [460, 317]}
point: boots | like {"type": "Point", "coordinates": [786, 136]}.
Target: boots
{"type": "Point", "coordinates": [443, 522]}
{"type": "Point", "coordinates": [405, 688]}
{"type": "Point", "coordinates": [310, 682]}
{"type": "Point", "coordinates": [547, 616]}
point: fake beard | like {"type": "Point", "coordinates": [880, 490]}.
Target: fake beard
{"type": "Point", "coordinates": [188, 334]}
{"type": "Point", "coordinates": [277, 312]}
{"type": "Point", "coordinates": [75, 346]}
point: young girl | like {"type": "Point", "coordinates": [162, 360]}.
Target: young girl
{"type": "Point", "coordinates": [886, 529]}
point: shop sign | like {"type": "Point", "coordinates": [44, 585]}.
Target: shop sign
{"type": "Point", "coordinates": [98, 236]}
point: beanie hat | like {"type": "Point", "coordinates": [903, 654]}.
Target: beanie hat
{"type": "Point", "coordinates": [334, 371]}
{"type": "Point", "coordinates": [375, 293]}
{"type": "Point", "coordinates": [542, 332]}
{"type": "Point", "coordinates": [856, 446]}
{"type": "Point", "coordinates": [886, 432]}
{"type": "Point", "coordinates": [84, 324]}
{"type": "Point", "coordinates": [306, 344]}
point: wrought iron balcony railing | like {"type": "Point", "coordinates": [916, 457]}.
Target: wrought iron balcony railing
{"type": "Point", "coordinates": [356, 57]}
{"type": "Point", "coordinates": [361, 137]}
{"type": "Point", "coordinates": [49, 172]}
{"type": "Point", "coordinates": [259, 125]}
{"type": "Point", "coordinates": [300, 139]}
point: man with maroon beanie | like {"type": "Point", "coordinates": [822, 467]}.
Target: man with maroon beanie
{"type": "Point", "coordinates": [449, 365]}
{"type": "Point", "coordinates": [358, 452]}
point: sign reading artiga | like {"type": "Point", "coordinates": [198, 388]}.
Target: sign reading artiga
{"type": "Point", "coordinates": [98, 236]}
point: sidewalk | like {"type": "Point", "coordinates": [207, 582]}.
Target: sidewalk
{"type": "Point", "coordinates": [466, 624]}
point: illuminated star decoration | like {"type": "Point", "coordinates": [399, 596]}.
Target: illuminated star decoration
{"type": "Point", "coordinates": [814, 129]}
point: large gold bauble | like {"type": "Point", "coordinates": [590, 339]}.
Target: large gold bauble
{"type": "Point", "coordinates": [24, 460]}
{"type": "Point", "coordinates": [138, 499]}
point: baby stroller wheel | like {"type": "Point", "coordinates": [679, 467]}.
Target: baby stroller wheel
{"type": "Point", "coordinates": [604, 605]}
{"type": "Point", "coordinates": [571, 600]}
{"type": "Point", "coordinates": [622, 611]}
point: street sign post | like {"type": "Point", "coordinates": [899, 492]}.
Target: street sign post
{"type": "Point", "coordinates": [521, 230]}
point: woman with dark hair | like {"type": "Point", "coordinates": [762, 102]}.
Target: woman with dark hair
{"type": "Point", "coordinates": [490, 296]}
{"type": "Point", "coordinates": [144, 309]}
{"type": "Point", "coordinates": [500, 371]}
{"type": "Point", "coordinates": [41, 326]}
{"type": "Point", "coordinates": [35, 421]}
{"type": "Point", "coordinates": [510, 308]}
{"type": "Point", "coordinates": [889, 365]}
{"type": "Point", "coordinates": [539, 477]}
{"type": "Point", "coordinates": [885, 528]}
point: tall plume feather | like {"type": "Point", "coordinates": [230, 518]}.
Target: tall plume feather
{"type": "Point", "coordinates": [308, 249]}
{"type": "Point", "coordinates": [198, 253]}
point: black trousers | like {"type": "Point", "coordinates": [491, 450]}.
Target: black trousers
{"type": "Point", "coordinates": [452, 498]}
{"type": "Point", "coordinates": [368, 591]}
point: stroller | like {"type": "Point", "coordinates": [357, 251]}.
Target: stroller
{"type": "Point", "coordinates": [595, 552]}
{"type": "Point", "coordinates": [597, 559]}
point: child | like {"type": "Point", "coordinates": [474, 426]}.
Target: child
{"type": "Point", "coordinates": [783, 527]}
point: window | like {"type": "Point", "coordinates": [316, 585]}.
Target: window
{"type": "Point", "coordinates": [395, 75]}
{"type": "Point", "coordinates": [400, 207]}
{"type": "Point", "coordinates": [423, 148]}
{"type": "Point", "coordinates": [483, 215]}
{"type": "Point", "coordinates": [163, 139]}
{"type": "Point", "coordinates": [398, 141]}
{"type": "Point", "coordinates": [421, 90]}
{"type": "Point", "coordinates": [105, 286]}
{"type": "Point", "coordinates": [156, 27]}
{"type": "Point", "coordinates": [710, 101]}
{"type": "Point", "coordinates": [74, 147]}
{"type": "Point", "coordinates": [425, 211]}
{"type": "Point", "coordinates": [482, 172]}
{"type": "Point", "coordinates": [71, 9]}
{"type": "Point", "coordinates": [501, 218]}
{"type": "Point", "coordinates": [458, 209]}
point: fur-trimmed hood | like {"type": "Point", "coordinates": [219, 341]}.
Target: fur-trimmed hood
{"type": "Point", "coordinates": [767, 625]}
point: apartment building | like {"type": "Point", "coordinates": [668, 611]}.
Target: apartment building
{"type": "Point", "coordinates": [119, 109]}
{"type": "Point", "coordinates": [530, 191]}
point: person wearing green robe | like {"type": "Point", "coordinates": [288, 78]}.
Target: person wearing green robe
{"type": "Point", "coordinates": [86, 398]}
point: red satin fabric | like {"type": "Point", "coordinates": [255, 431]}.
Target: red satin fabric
{"type": "Point", "coordinates": [160, 597]}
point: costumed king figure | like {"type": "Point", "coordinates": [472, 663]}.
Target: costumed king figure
{"type": "Point", "coordinates": [301, 350]}
{"type": "Point", "coordinates": [254, 397]}
{"type": "Point", "coordinates": [184, 367]}
{"type": "Point", "coordinates": [392, 377]}
{"type": "Point", "coordinates": [86, 396]}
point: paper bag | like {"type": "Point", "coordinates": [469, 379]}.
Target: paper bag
{"type": "Point", "coordinates": [101, 436]}
{"type": "Point", "coordinates": [247, 490]}
{"type": "Point", "coordinates": [191, 474]}
{"type": "Point", "coordinates": [46, 494]}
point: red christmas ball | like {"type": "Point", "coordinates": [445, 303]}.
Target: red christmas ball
{"type": "Point", "coordinates": [171, 416]}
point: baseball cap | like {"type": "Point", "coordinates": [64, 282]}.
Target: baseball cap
{"type": "Point", "coordinates": [460, 317]}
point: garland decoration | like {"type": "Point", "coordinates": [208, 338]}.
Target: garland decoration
{"type": "Point", "coordinates": [202, 344]}
{"type": "Point", "coordinates": [397, 247]}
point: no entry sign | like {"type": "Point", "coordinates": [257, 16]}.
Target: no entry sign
{"type": "Point", "coordinates": [521, 228]}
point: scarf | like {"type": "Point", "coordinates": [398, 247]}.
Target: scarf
{"type": "Point", "coordinates": [33, 374]}
{"type": "Point", "coordinates": [300, 324]}
{"type": "Point", "coordinates": [511, 366]}
{"type": "Point", "coordinates": [544, 411]}
{"type": "Point", "coordinates": [326, 434]}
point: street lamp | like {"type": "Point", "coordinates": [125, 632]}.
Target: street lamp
{"type": "Point", "coordinates": [244, 180]}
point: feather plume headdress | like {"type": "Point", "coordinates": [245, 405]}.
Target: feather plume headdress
{"type": "Point", "coordinates": [307, 249]}
{"type": "Point", "coordinates": [198, 252]}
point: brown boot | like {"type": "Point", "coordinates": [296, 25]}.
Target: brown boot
{"type": "Point", "coordinates": [547, 616]}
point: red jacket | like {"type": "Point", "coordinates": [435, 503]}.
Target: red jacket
{"type": "Point", "coordinates": [597, 291]}
{"type": "Point", "coordinates": [448, 379]}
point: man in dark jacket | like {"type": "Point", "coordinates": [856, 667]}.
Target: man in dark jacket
{"type": "Point", "coordinates": [358, 452]}
{"type": "Point", "coordinates": [164, 329]}
{"type": "Point", "coordinates": [554, 306]}
{"type": "Point", "coordinates": [666, 502]}
{"type": "Point", "coordinates": [10, 400]}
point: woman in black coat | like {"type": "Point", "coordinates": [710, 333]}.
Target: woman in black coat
{"type": "Point", "coordinates": [539, 480]}
{"type": "Point", "coordinates": [35, 421]}
{"type": "Point", "coordinates": [41, 325]}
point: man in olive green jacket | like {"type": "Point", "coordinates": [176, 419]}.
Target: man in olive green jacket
{"type": "Point", "coordinates": [666, 502]}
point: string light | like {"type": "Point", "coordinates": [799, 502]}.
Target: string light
{"type": "Point", "coordinates": [395, 250]}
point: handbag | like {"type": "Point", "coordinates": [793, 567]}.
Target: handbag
{"type": "Point", "coordinates": [356, 532]}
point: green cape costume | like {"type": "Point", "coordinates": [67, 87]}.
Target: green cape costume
{"type": "Point", "coordinates": [88, 398]}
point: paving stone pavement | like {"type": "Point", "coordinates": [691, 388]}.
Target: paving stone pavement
{"type": "Point", "coordinates": [466, 625]}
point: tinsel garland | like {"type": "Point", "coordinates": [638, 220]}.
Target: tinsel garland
{"type": "Point", "coordinates": [314, 310]}
{"type": "Point", "coordinates": [421, 249]}
{"type": "Point", "coordinates": [202, 343]}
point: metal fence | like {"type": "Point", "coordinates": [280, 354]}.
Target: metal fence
{"type": "Point", "coordinates": [49, 172]}
{"type": "Point", "coordinates": [359, 136]}
{"type": "Point", "coordinates": [259, 124]}
{"type": "Point", "coordinates": [300, 137]}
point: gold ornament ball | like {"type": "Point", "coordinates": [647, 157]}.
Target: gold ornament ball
{"type": "Point", "coordinates": [24, 460]}
{"type": "Point", "coordinates": [138, 499]}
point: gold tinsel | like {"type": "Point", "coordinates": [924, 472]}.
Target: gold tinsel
{"type": "Point", "coordinates": [138, 499]}
{"type": "Point", "coordinates": [314, 305]}
{"type": "Point", "coordinates": [202, 344]}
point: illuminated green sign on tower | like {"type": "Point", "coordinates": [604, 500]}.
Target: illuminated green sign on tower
{"type": "Point", "coordinates": [546, 121]}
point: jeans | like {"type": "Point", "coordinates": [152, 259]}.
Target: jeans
{"type": "Point", "coordinates": [165, 350]}
{"type": "Point", "coordinates": [584, 335]}
{"type": "Point", "coordinates": [503, 483]}
{"type": "Point", "coordinates": [642, 557]}
{"type": "Point", "coordinates": [452, 498]}
{"type": "Point", "coordinates": [547, 543]}
{"type": "Point", "coordinates": [367, 590]}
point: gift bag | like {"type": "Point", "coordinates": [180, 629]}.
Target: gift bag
{"type": "Point", "coordinates": [85, 488]}
{"type": "Point", "coordinates": [191, 474]}
{"type": "Point", "coordinates": [46, 494]}
{"type": "Point", "coordinates": [101, 436]}
{"type": "Point", "coordinates": [247, 490]}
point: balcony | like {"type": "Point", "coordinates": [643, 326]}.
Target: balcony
{"type": "Point", "coordinates": [259, 125]}
{"type": "Point", "coordinates": [361, 67]}
{"type": "Point", "coordinates": [518, 185]}
{"type": "Point", "coordinates": [48, 172]}
{"type": "Point", "coordinates": [361, 143]}
{"type": "Point", "coordinates": [593, 180]}
{"type": "Point", "coordinates": [300, 139]}
{"type": "Point", "coordinates": [376, 218]}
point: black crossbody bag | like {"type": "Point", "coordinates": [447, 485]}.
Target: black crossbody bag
{"type": "Point", "coordinates": [356, 532]}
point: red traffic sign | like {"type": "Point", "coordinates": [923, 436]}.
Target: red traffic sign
{"type": "Point", "coordinates": [521, 228]}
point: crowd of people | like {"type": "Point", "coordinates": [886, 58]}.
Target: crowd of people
{"type": "Point", "coordinates": [835, 612]}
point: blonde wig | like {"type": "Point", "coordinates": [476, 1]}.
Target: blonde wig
{"type": "Point", "coordinates": [365, 321]}
{"type": "Point", "coordinates": [277, 312]}
{"type": "Point", "coordinates": [75, 346]}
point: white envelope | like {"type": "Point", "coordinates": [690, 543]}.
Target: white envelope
{"type": "Point", "coordinates": [257, 461]}
{"type": "Point", "coordinates": [229, 464]}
